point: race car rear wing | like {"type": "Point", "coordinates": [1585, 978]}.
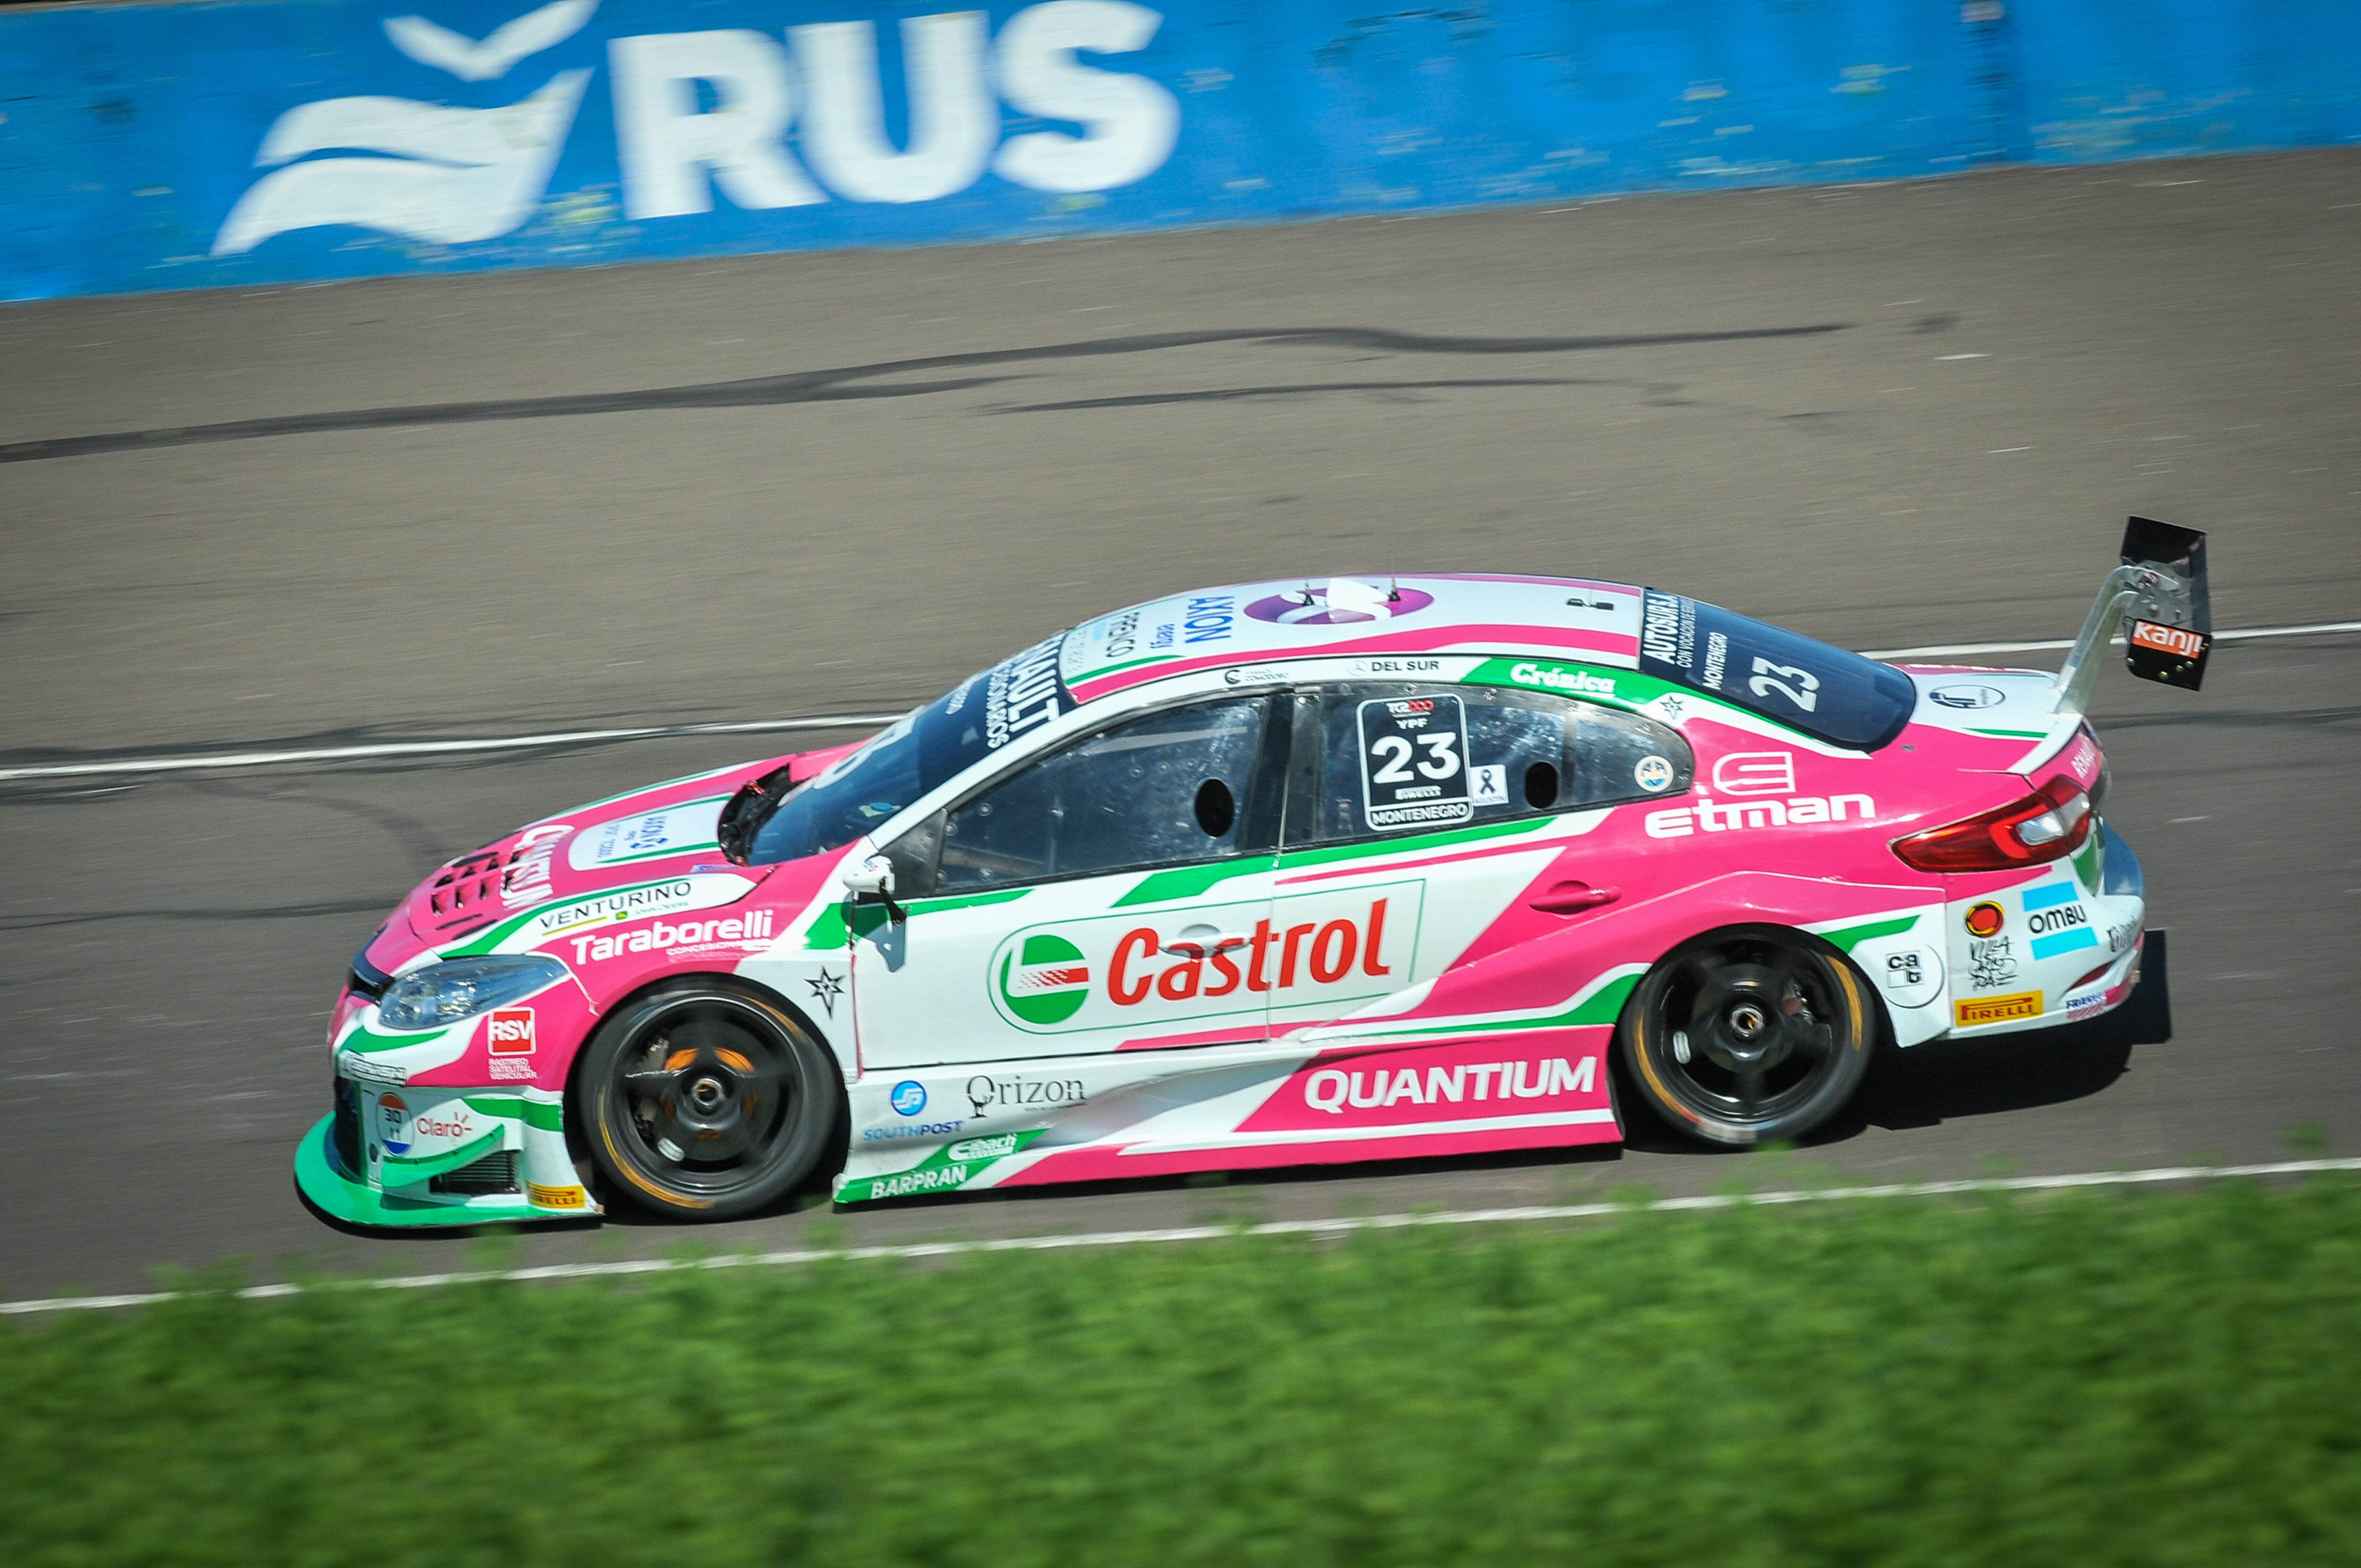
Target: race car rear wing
{"type": "Point", "coordinates": [2160, 586]}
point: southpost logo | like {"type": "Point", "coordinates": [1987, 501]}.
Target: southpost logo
{"type": "Point", "coordinates": [1119, 973]}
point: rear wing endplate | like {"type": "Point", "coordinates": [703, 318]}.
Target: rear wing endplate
{"type": "Point", "coordinates": [2160, 588]}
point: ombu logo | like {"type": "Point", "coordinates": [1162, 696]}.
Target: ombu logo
{"type": "Point", "coordinates": [1046, 980]}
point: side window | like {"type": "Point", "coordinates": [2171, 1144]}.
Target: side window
{"type": "Point", "coordinates": [1166, 789]}
{"type": "Point", "coordinates": [1408, 759]}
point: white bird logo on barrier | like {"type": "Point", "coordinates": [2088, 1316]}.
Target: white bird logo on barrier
{"type": "Point", "coordinates": [429, 43]}
{"type": "Point", "coordinates": [448, 175]}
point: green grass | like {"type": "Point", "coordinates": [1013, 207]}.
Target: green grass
{"type": "Point", "coordinates": [2152, 1378]}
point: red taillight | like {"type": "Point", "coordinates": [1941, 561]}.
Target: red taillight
{"type": "Point", "coordinates": [2048, 824]}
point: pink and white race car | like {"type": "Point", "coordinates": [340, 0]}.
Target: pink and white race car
{"type": "Point", "coordinates": [1276, 874]}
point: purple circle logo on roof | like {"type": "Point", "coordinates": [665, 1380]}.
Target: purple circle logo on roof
{"type": "Point", "coordinates": [1340, 602]}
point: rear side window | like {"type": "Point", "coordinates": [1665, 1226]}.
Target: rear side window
{"type": "Point", "coordinates": [1402, 758]}
{"type": "Point", "coordinates": [1828, 693]}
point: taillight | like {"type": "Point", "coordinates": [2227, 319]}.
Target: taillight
{"type": "Point", "coordinates": [2048, 824]}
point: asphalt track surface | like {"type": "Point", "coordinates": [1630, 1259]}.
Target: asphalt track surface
{"type": "Point", "coordinates": [730, 490]}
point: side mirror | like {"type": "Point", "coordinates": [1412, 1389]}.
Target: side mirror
{"type": "Point", "coordinates": [874, 878]}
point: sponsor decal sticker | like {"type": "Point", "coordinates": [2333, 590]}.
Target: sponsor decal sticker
{"type": "Point", "coordinates": [1912, 976]}
{"type": "Point", "coordinates": [510, 1070]}
{"type": "Point", "coordinates": [1117, 971]}
{"type": "Point", "coordinates": [909, 1096]}
{"type": "Point", "coordinates": [1680, 821]}
{"type": "Point", "coordinates": [1967, 697]}
{"type": "Point", "coordinates": [1488, 786]}
{"type": "Point", "coordinates": [825, 989]}
{"type": "Point", "coordinates": [527, 879]}
{"type": "Point", "coordinates": [2057, 921]}
{"type": "Point", "coordinates": [754, 926]}
{"type": "Point", "coordinates": [998, 1147]}
{"type": "Point", "coordinates": [1044, 981]}
{"type": "Point", "coordinates": [1331, 1089]}
{"type": "Point", "coordinates": [675, 830]}
{"type": "Point", "coordinates": [2177, 640]}
{"type": "Point", "coordinates": [1998, 1008]}
{"type": "Point", "coordinates": [1984, 919]}
{"type": "Point", "coordinates": [1414, 762]}
{"type": "Point", "coordinates": [985, 1093]}
{"type": "Point", "coordinates": [393, 1123]}
{"type": "Point", "coordinates": [1558, 679]}
{"type": "Point", "coordinates": [509, 1032]}
{"type": "Point", "coordinates": [911, 1133]}
{"type": "Point", "coordinates": [1992, 962]}
{"type": "Point", "coordinates": [1755, 773]}
{"type": "Point", "coordinates": [555, 1197]}
{"type": "Point", "coordinates": [366, 1070]}
{"type": "Point", "coordinates": [1340, 602]}
{"type": "Point", "coordinates": [1653, 775]}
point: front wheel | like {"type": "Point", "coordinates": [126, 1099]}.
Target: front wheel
{"type": "Point", "coordinates": [1748, 1035]}
{"type": "Point", "coordinates": [704, 1100]}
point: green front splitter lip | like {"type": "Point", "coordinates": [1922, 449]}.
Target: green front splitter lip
{"type": "Point", "coordinates": [354, 1204]}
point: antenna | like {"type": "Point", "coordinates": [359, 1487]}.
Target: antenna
{"type": "Point", "coordinates": [1393, 588]}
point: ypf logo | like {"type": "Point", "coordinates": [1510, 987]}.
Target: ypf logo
{"type": "Point", "coordinates": [1046, 980]}
{"type": "Point", "coordinates": [1340, 601]}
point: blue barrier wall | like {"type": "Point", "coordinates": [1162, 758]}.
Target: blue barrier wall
{"type": "Point", "coordinates": [258, 141]}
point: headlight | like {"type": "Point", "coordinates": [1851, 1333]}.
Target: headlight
{"type": "Point", "coordinates": [443, 994]}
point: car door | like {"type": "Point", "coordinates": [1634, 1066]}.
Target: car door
{"type": "Point", "coordinates": [1418, 816]}
{"type": "Point", "coordinates": [1098, 898]}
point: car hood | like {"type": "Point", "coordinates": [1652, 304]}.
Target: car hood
{"type": "Point", "coordinates": [625, 841]}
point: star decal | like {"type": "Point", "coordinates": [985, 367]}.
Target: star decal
{"type": "Point", "coordinates": [1672, 707]}
{"type": "Point", "coordinates": [826, 990]}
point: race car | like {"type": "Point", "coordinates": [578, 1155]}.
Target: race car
{"type": "Point", "coordinates": [1290, 872]}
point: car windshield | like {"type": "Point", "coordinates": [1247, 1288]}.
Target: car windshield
{"type": "Point", "coordinates": [1825, 692]}
{"type": "Point", "coordinates": [918, 751]}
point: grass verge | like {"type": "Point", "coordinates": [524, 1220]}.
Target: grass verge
{"type": "Point", "coordinates": [2126, 1377]}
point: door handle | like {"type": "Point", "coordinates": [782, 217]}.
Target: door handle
{"type": "Point", "coordinates": [1197, 943]}
{"type": "Point", "coordinates": [1572, 898]}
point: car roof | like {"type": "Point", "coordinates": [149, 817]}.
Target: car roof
{"type": "Point", "coordinates": [1445, 612]}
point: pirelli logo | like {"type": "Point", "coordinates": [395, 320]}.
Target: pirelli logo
{"type": "Point", "coordinates": [555, 1197]}
{"type": "Point", "coordinates": [2177, 640]}
{"type": "Point", "coordinates": [1998, 1008]}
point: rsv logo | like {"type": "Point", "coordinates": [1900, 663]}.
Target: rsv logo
{"type": "Point", "coordinates": [446, 175]}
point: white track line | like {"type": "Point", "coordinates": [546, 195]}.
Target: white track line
{"type": "Point", "coordinates": [2240, 635]}
{"type": "Point", "coordinates": [1215, 1233]}
{"type": "Point", "coordinates": [836, 721]}
{"type": "Point", "coordinates": [429, 748]}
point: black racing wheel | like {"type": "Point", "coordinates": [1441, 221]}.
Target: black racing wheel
{"type": "Point", "coordinates": [1747, 1035]}
{"type": "Point", "coordinates": [705, 1100]}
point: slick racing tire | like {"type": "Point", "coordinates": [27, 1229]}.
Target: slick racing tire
{"type": "Point", "coordinates": [1749, 1035]}
{"type": "Point", "coordinates": [705, 1100]}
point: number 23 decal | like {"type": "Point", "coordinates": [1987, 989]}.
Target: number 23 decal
{"type": "Point", "coordinates": [1768, 678]}
{"type": "Point", "coordinates": [1442, 759]}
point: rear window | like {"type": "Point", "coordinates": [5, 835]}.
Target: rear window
{"type": "Point", "coordinates": [1826, 693]}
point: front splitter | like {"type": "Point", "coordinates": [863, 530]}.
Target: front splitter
{"type": "Point", "coordinates": [339, 1198]}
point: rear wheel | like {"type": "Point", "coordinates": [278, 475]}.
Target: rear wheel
{"type": "Point", "coordinates": [1749, 1035]}
{"type": "Point", "coordinates": [704, 1100]}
